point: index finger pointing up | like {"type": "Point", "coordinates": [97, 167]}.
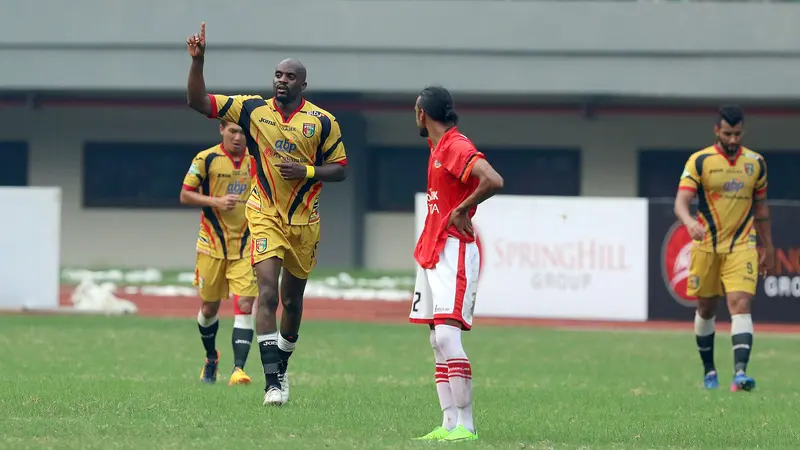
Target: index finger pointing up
{"type": "Point", "coordinates": [202, 31]}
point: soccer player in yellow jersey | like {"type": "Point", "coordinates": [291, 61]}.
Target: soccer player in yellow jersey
{"type": "Point", "coordinates": [297, 146]}
{"type": "Point", "coordinates": [730, 183]}
{"type": "Point", "coordinates": [219, 181]}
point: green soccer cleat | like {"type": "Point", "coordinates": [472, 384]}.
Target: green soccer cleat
{"type": "Point", "coordinates": [437, 434]}
{"type": "Point", "coordinates": [460, 433]}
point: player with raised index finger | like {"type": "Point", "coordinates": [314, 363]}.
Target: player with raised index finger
{"type": "Point", "coordinates": [297, 146]}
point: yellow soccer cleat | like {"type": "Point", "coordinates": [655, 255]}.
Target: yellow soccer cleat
{"type": "Point", "coordinates": [238, 377]}
{"type": "Point", "coordinates": [437, 434]}
{"type": "Point", "coordinates": [460, 433]}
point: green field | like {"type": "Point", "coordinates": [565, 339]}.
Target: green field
{"type": "Point", "coordinates": [131, 382]}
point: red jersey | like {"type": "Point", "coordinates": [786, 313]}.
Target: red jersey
{"type": "Point", "coordinates": [449, 184]}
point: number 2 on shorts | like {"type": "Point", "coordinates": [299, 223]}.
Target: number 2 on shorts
{"type": "Point", "coordinates": [417, 297]}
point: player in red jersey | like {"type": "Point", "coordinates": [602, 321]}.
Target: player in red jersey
{"type": "Point", "coordinates": [459, 178]}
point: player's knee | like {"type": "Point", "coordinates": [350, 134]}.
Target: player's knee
{"type": "Point", "coordinates": [434, 344]}
{"type": "Point", "coordinates": [739, 303]}
{"type": "Point", "coordinates": [246, 304]}
{"type": "Point", "coordinates": [267, 297]}
{"type": "Point", "coordinates": [292, 303]}
{"type": "Point", "coordinates": [706, 308]}
{"type": "Point", "coordinates": [209, 309]}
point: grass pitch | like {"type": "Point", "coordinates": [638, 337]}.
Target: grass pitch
{"type": "Point", "coordinates": [105, 383]}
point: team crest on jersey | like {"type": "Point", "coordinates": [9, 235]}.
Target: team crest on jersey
{"type": "Point", "coordinates": [261, 245]}
{"type": "Point", "coordinates": [436, 163]}
{"type": "Point", "coordinates": [749, 169]}
{"type": "Point", "coordinates": [309, 129]}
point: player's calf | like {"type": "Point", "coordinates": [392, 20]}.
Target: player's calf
{"type": "Point", "coordinates": [459, 371]}
{"type": "Point", "coordinates": [266, 324]}
{"type": "Point", "coordinates": [741, 339]}
{"type": "Point", "coordinates": [241, 338]}
{"type": "Point", "coordinates": [208, 325]}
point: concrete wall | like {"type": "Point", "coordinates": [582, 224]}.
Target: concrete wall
{"type": "Point", "coordinates": [166, 238]}
{"type": "Point", "coordinates": [546, 47]}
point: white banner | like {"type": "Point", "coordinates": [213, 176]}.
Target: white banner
{"type": "Point", "coordinates": [560, 257]}
{"type": "Point", "coordinates": [30, 246]}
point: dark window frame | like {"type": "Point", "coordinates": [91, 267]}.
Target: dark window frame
{"type": "Point", "coordinates": [123, 154]}
{"type": "Point", "coordinates": [14, 168]}
{"type": "Point", "coordinates": [496, 155]}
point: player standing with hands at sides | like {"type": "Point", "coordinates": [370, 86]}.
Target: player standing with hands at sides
{"type": "Point", "coordinates": [296, 146]}
{"type": "Point", "coordinates": [222, 175]}
{"type": "Point", "coordinates": [730, 183]}
{"type": "Point", "coordinates": [459, 178]}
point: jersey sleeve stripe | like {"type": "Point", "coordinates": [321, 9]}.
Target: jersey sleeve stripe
{"type": "Point", "coordinates": [245, 239]}
{"type": "Point", "coordinates": [210, 217]}
{"type": "Point", "coordinates": [704, 209]}
{"type": "Point", "coordinates": [687, 188]}
{"type": "Point", "coordinates": [252, 145]}
{"type": "Point", "coordinates": [214, 111]}
{"type": "Point", "coordinates": [187, 187]}
{"type": "Point", "coordinates": [299, 198]}
{"type": "Point", "coordinates": [747, 217]}
{"type": "Point", "coordinates": [329, 152]}
{"type": "Point", "coordinates": [763, 169]}
{"type": "Point", "coordinates": [225, 107]}
{"type": "Point", "coordinates": [323, 136]}
{"type": "Point", "coordinates": [311, 196]}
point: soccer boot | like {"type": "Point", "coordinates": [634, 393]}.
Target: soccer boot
{"type": "Point", "coordinates": [437, 434]}
{"type": "Point", "coordinates": [209, 373]}
{"type": "Point", "coordinates": [238, 377]}
{"type": "Point", "coordinates": [460, 433]}
{"type": "Point", "coordinates": [741, 382]}
{"type": "Point", "coordinates": [273, 397]}
{"type": "Point", "coordinates": [283, 377]}
{"type": "Point", "coordinates": [710, 380]}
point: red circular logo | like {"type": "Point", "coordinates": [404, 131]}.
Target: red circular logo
{"type": "Point", "coordinates": [676, 256]}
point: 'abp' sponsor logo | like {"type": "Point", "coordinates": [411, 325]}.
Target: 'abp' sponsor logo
{"type": "Point", "coordinates": [285, 145]}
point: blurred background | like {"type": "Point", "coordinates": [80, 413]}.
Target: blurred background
{"type": "Point", "coordinates": [566, 98]}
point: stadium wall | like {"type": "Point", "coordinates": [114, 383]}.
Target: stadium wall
{"type": "Point", "coordinates": [164, 238]}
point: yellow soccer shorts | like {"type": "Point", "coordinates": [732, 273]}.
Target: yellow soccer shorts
{"type": "Point", "coordinates": [295, 245]}
{"type": "Point", "coordinates": [714, 274]}
{"type": "Point", "coordinates": [216, 278]}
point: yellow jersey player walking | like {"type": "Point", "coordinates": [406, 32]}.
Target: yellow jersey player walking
{"type": "Point", "coordinates": [730, 183]}
{"type": "Point", "coordinates": [219, 181]}
{"type": "Point", "coordinates": [297, 146]}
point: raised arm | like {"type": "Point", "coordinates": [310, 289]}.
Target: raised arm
{"type": "Point", "coordinates": [196, 96]}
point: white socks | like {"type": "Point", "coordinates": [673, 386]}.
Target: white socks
{"type": "Point", "coordinates": [449, 412]}
{"type": "Point", "coordinates": [459, 372]}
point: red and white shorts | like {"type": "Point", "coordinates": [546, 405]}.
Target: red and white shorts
{"type": "Point", "coordinates": [448, 290]}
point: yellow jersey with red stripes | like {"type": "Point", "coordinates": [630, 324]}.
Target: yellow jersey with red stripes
{"type": "Point", "coordinates": [309, 136]}
{"type": "Point", "coordinates": [216, 173]}
{"type": "Point", "coordinates": [726, 189]}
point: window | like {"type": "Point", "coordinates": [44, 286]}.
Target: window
{"type": "Point", "coordinates": [660, 171]}
{"type": "Point", "coordinates": [136, 175]}
{"type": "Point", "coordinates": [13, 163]}
{"type": "Point", "coordinates": [397, 173]}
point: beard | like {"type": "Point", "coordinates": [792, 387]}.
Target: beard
{"type": "Point", "coordinates": [423, 132]}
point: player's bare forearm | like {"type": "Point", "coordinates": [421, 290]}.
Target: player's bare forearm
{"type": "Point", "coordinates": [489, 183]}
{"type": "Point", "coordinates": [191, 198]}
{"type": "Point", "coordinates": [196, 96]}
{"type": "Point", "coordinates": [682, 202]}
{"type": "Point", "coordinates": [330, 172]}
{"type": "Point", "coordinates": [763, 228]}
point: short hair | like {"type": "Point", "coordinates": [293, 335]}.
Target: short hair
{"type": "Point", "coordinates": [437, 103]}
{"type": "Point", "coordinates": [732, 114]}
